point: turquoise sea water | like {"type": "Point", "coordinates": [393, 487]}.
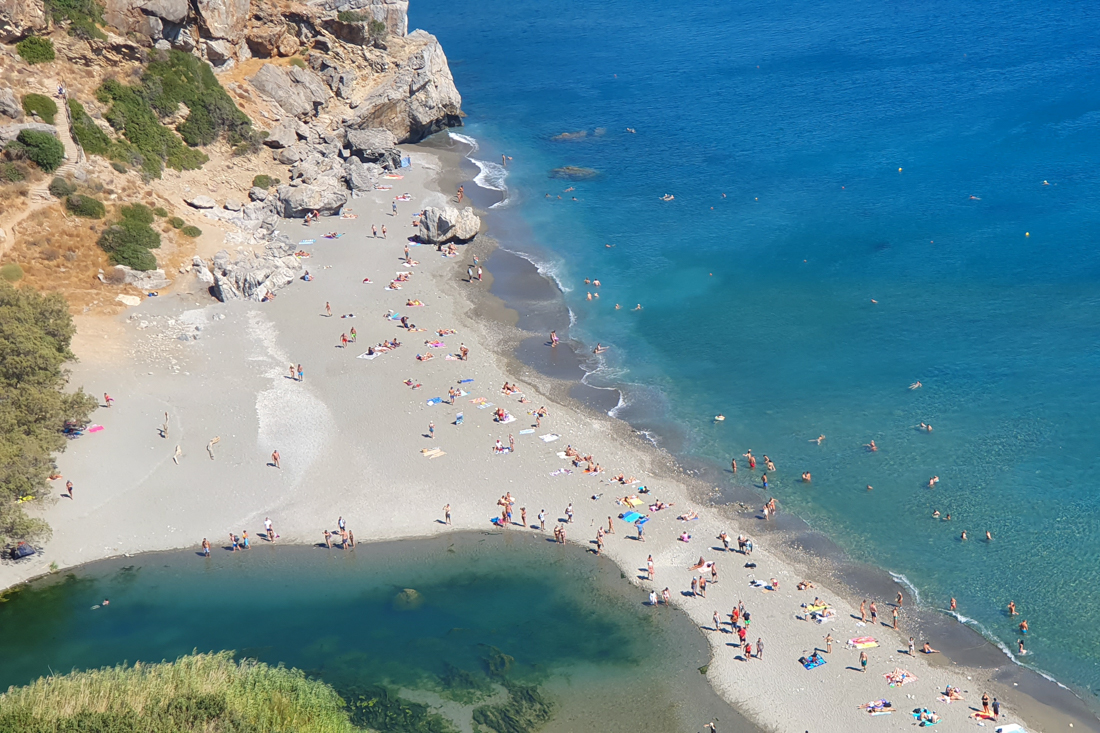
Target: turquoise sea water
{"type": "Point", "coordinates": [940, 158]}
{"type": "Point", "coordinates": [480, 612]}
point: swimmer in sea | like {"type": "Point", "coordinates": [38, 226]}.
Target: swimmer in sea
{"type": "Point", "coordinates": [933, 481]}
{"type": "Point", "coordinates": [618, 307]}
{"type": "Point", "coordinates": [1012, 608]}
{"type": "Point", "coordinates": [600, 348]}
{"type": "Point", "coordinates": [871, 446]}
{"type": "Point", "coordinates": [870, 488]}
{"type": "Point", "coordinates": [638, 307]}
{"type": "Point", "coordinates": [818, 439]}
{"type": "Point", "coordinates": [915, 385]}
{"type": "Point", "coordinates": [975, 198]}
{"type": "Point", "coordinates": [935, 514]}
{"type": "Point", "coordinates": [963, 537]}
{"type": "Point", "coordinates": [719, 417]}
{"type": "Point", "coordinates": [947, 517]}
{"type": "Point", "coordinates": [988, 537]}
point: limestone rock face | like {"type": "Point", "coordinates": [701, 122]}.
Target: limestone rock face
{"type": "Point", "coordinates": [448, 225]}
{"type": "Point", "coordinates": [394, 13]}
{"type": "Point", "coordinates": [224, 18]}
{"type": "Point", "coordinates": [10, 132]}
{"type": "Point", "coordinates": [174, 11]}
{"type": "Point", "coordinates": [299, 92]}
{"type": "Point", "coordinates": [257, 194]}
{"type": "Point", "coordinates": [251, 276]}
{"type": "Point", "coordinates": [282, 135]}
{"type": "Point", "coordinates": [143, 279]}
{"type": "Point", "coordinates": [9, 105]}
{"type": "Point", "coordinates": [420, 99]}
{"type": "Point", "coordinates": [219, 51]}
{"type": "Point", "coordinates": [21, 18]}
{"type": "Point", "coordinates": [361, 176]}
{"type": "Point", "coordinates": [202, 272]}
{"type": "Point", "coordinates": [297, 201]}
{"type": "Point", "coordinates": [202, 202]}
{"type": "Point", "coordinates": [374, 145]}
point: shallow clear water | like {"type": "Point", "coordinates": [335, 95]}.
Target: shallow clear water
{"type": "Point", "coordinates": [570, 623]}
{"type": "Point", "coordinates": [895, 152]}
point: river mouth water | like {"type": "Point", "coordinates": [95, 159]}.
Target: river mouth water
{"type": "Point", "coordinates": [514, 626]}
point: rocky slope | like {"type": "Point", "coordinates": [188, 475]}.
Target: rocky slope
{"type": "Point", "coordinates": [335, 85]}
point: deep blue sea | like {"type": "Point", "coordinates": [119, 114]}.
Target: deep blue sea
{"type": "Point", "coordinates": [940, 158]}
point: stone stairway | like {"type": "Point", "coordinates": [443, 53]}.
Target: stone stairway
{"type": "Point", "coordinates": [73, 153]}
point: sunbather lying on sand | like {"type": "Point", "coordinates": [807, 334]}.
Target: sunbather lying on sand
{"type": "Point", "coordinates": [425, 357]}
{"type": "Point", "coordinates": [413, 303]}
{"type": "Point", "coordinates": [953, 693]}
{"type": "Point", "coordinates": [688, 516]}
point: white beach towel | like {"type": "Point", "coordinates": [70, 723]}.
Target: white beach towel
{"type": "Point", "coordinates": [550, 438]}
{"type": "Point", "coordinates": [365, 355]}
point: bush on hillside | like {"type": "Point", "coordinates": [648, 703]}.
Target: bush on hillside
{"type": "Point", "coordinates": [84, 16]}
{"type": "Point", "coordinates": [265, 181]}
{"type": "Point", "coordinates": [160, 211]}
{"type": "Point", "coordinates": [176, 223]}
{"type": "Point", "coordinates": [94, 140]}
{"type": "Point", "coordinates": [41, 148]}
{"type": "Point", "coordinates": [11, 173]}
{"type": "Point", "coordinates": [352, 16]}
{"type": "Point", "coordinates": [41, 105]}
{"type": "Point", "coordinates": [60, 188]}
{"type": "Point", "coordinates": [298, 61]}
{"type": "Point", "coordinates": [155, 144]}
{"type": "Point", "coordinates": [129, 240]}
{"type": "Point", "coordinates": [11, 272]}
{"type": "Point", "coordinates": [35, 331]}
{"type": "Point", "coordinates": [35, 50]}
{"type": "Point", "coordinates": [376, 29]}
{"type": "Point", "coordinates": [85, 206]}
{"type": "Point", "coordinates": [178, 77]}
{"type": "Point", "coordinates": [139, 213]}
{"type": "Point", "coordinates": [191, 231]}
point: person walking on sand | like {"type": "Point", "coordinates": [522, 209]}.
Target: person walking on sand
{"type": "Point", "coordinates": [553, 339]}
{"type": "Point", "coordinates": [523, 516]}
{"type": "Point", "coordinates": [912, 646]}
{"type": "Point", "coordinates": [717, 622]}
{"type": "Point", "coordinates": [653, 598]}
{"type": "Point", "coordinates": [328, 309]}
{"type": "Point", "coordinates": [301, 373]}
{"type": "Point", "coordinates": [469, 273]}
{"type": "Point", "coordinates": [479, 273]}
{"type": "Point", "coordinates": [748, 651]}
{"type": "Point", "coordinates": [895, 610]}
{"type": "Point", "coordinates": [275, 459]}
{"type": "Point", "coordinates": [641, 532]}
{"type": "Point", "coordinates": [374, 231]}
{"type": "Point", "coordinates": [874, 614]}
{"type": "Point", "coordinates": [569, 513]}
{"type": "Point", "coordinates": [328, 539]}
{"type": "Point", "coordinates": [205, 547]}
{"type": "Point", "coordinates": [383, 231]}
{"type": "Point", "coordinates": [610, 526]}
{"type": "Point", "coordinates": [759, 648]}
{"type": "Point", "coordinates": [107, 399]}
{"type": "Point", "coordinates": [511, 444]}
{"type": "Point", "coordinates": [899, 600]}
{"type": "Point", "coordinates": [431, 430]}
{"type": "Point", "coordinates": [343, 341]}
{"type": "Point", "coordinates": [649, 568]}
{"type": "Point", "coordinates": [394, 207]}
{"type": "Point", "coordinates": [353, 334]}
{"type": "Point", "coordinates": [292, 371]}
{"type": "Point", "coordinates": [863, 662]}
{"type": "Point", "coordinates": [69, 488]}
{"type": "Point", "coordinates": [542, 520]}
{"type": "Point", "coordinates": [447, 514]}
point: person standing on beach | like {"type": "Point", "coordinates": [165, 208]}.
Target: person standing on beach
{"type": "Point", "coordinates": [523, 516]}
{"type": "Point", "coordinates": [649, 568]}
{"type": "Point", "coordinates": [653, 598]}
{"type": "Point", "coordinates": [469, 273]}
{"type": "Point", "coordinates": [275, 459]}
{"type": "Point", "coordinates": [996, 709]}
{"type": "Point", "coordinates": [395, 207]}
{"type": "Point", "coordinates": [431, 430]}
{"type": "Point", "coordinates": [863, 611]}
{"type": "Point", "coordinates": [107, 399]}
{"type": "Point", "coordinates": [479, 273]}
{"type": "Point", "coordinates": [985, 703]}
{"type": "Point", "coordinates": [511, 444]}
{"type": "Point", "coordinates": [828, 643]}
{"type": "Point", "coordinates": [328, 309]}
{"type": "Point", "coordinates": [343, 341]}
{"type": "Point", "coordinates": [553, 339]}
{"type": "Point", "coordinates": [874, 614]}
{"type": "Point", "coordinates": [461, 192]}
{"type": "Point", "coordinates": [895, 610]}
{"type": "Point", "coordinates": [69, 488]}
{"type": "Point", "coordinates": [292, 371]}
{"type": "Point", "coordinates": [912, 646]}
{"type": "Point", "coordinates": [666, 596]}
{"type": "Point", "coordinates": [353, 334]}
{"type": "Point", "coordinates": [717, 622]}
{"type": "Point", "coordinates": [610, 526]}
{"type": "Point", "coordinates": [569, 513]}
{"type": "Point", "coordinates": [863, 661]}
{"type": "Point", "coordinates": [374, 231]}
{"type": "Point", "coordinates": [542, 520]}
{"type": "Point", "coordinates": [899, 600]}
{"type": "Point", "coordinates": [205, 547]}
{"type": "Point", "coordinates": [748, 651]}
{"type": "Point", "coordinates": [641, 532]}
{"type": "Point", "coordinates": [383, 231]}
{"type": "Point", "coordinates": [759, 648]}
{"type": "Point", "coordinates": [694, 586]}
{"type": "Point", "coordinates": [447, 514]}
{"type": "Point", "coordinates": [328, 539]}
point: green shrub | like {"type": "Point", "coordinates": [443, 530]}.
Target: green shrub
{"type": "Point", "coordinates": [60, 188]}
{"type": "Point", "coordinates": [11, 173]}
{"type": "Point", "coordinates": [84, 16]}
{"type": "Point", "coordinates": [139, 213]}
{"type": "Point", "coordinates": [85, 206]}
{"type": "Point", "coordinates": [178, 78]}
{"type": "Point", "coordinates": [119, 167]}
{"type": "Point", "coordinates": [191, 231]}
{"type": "Point", "coordinates": [203, 692]}
{"type": "Point", "coordinates": [298, 61]}
{"type": "Point", "coordinates": [176, 223]}
{"type": "Point", "coordinates": [87, 133]}
{"type": "Point", "coordinates": [42, 148]}
{"type": "Point", "coordinates": [376, 29]}
{"type": "Point", "coordinates": [41, 105]}
{"type": "Point", "coordinates": [35, 50]}
{"type": "Point", "coordinates": [153, 143]}
{"type": "Point", "coordinates": [11, 272]}
{"type": "Point", "coordinates": [135, 257]}
{"type": "Point", "coordinates": [265, 181]}
{"type": "Point", "coordinates": [160, 211]}
{"type": "Point", "coordinates": [352, 16]}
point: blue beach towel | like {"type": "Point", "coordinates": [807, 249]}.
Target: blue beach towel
{"type": "Point", "coordinates": [528, 431]}
{"type": "Point", "coordinates": [643, 520]}
{"type": "Point", "coordinates": [465, 381]}
{"type": "Point", "coordinates": [435, 400]}
{"type": "Point", "coordinates": [630, 516]}
{"type": "Point", "coordinates": [810, 664]}
{"type": "Point", "coordinates": [308, 241]}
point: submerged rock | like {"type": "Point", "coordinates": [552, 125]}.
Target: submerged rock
{"type": "Point", "coordinates": [573, 173]}
{"type": "Point", "coordinates": [408, 599]}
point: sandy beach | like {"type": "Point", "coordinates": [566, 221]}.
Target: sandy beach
{"type": "Point", "coordinates": [351, 437]}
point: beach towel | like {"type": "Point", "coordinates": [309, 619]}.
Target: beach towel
{"type": "Point", "coordinates": [641, 521]}
{"type": "Point", "coordinates": [484, 405]}
{"type": "Point", "coordinates": [508, 419]}
{"type": "Point", "coordinates": [465, 381]}
{"type": "Point", "coordinates": [365, 355]}
{"type": "Point", "coordinates": [393, 176]}
{"type": "Point", "coordinates": [349, 216]}
{"type": "Point", "coordinates": [630, 516]}
{"type": "Point", "coordinates": [95, 428]}
{"type": "Point", "coordinates": [308, 241]}
{"type": "Point", "coordinates": [403, 197]}
{"type": "Point", "coordinates": [811, 663]}
{"type": "Point", "coordinates": [451, 357]}
{"type": "Point", "coordinates": [899, 677]}
{"type": "Point", "coordinates": [561, 472]}
{"type": "Point", "coordinates": [432, 452]}
{"type": "Point", "coordinates": [549, 438]}
{"type": "Point", "coordinates": [382, 187]}
{"type": "Point", "coordinates": [333, 236]}
{"type": "Point", "coordinates": [822, 607]}
{"type": "Point", "coordinates": [863, 642]}
{"type": "Point", "coordinates": [527, 431]}
{"type": "Point", "coordinates": [435, 401]}
{"type": "Point", "coordinates": [436, 344]}
{"type": "Point", "coordinates": [561, 455]}
{"type": "Point", "coordinates": [394, 317]}
{"type": "Point", "coordinates": [633, 501]}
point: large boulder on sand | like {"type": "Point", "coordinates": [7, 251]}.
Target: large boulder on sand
{"type": "Point", "coordinates": [297, 201]}
{"type": "Point", "coordinates": [448, 225]}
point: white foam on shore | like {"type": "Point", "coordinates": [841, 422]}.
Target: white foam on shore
{"type": "Point", "coordinates": [290, 418]}
{"type": "Point", "coordinates": [464, 139]}
{"type": "Point", "coordinates": [549, 270]}
{"type": "Point", "coordinates": [492, 176]}
{"type": "Point", "coordinates": [903, 581]}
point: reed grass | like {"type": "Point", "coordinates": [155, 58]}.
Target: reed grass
{"type": "Point", "coordinates": [212, 693]}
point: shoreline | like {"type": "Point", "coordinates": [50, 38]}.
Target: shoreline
{"type": "Point", "coordinates": [284, 414]}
